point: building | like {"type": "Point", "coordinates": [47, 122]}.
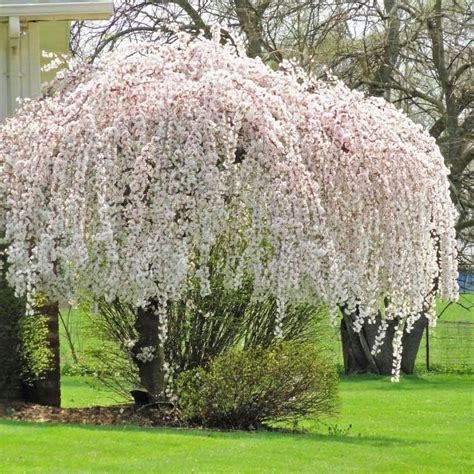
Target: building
{"type": "Point", "coordinates": [28, 27]}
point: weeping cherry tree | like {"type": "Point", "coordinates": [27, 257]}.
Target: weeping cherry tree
{"type": "Point", "coordinates": [122, 178]}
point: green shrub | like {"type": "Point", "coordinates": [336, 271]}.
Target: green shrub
{"type": "Point", "coordinates": [200, 328]}
{"type": "Point", "coordinates": [36, 353]}
{"type": "Point", "coordinates": [245, 389]}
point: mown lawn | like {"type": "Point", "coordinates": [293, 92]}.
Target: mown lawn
{"type": "Point", "coordinates": [424, 424]}
{"type": "Point", "coordinates": [420, 425]}
{"type": "Point", "coordinates": [463, 311]}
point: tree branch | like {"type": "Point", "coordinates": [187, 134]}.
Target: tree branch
{"type": "Point", "coordinates": [464, 225]}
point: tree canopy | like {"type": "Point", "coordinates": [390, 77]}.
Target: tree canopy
{"type": "Point", "coordinates": [121, 179]}
{"type": "Point", "coordinates": [417, 55]}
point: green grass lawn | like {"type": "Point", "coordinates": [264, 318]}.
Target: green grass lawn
{"type": "Point", "coordinates": [423, 424]}
{"type": "Point", "coordinates": [79, 392]}
{"type": "Point", "coordinates": [461, 311]}
{"type": "Point", "coordinates": [420, 425]}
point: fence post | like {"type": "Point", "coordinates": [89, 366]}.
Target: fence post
{"type": "Point", "coordinates": [427, 347]}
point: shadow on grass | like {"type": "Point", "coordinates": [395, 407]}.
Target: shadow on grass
{"type": "Point", "coordinates": [264, 436]}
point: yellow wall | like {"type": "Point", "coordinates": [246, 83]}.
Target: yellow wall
{"type": "Point", "coordinates": [39, 36]}
{"type": "Point", "coordinates": [54, 38]}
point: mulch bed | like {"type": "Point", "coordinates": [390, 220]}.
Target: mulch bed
{"type": "Point", "coordinates": [144, 416]}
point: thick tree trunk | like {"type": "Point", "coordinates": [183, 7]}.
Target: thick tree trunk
{"type": "Point", "coordinates": [150, 364]}
{"type": "Point", "coordinates": [47, 390]}
{"type": "Point", "coordinates": [411, 344]}
{"type": "Point", "coordinates": [356, 348]}
{"type": "Point", "coordinates": [11, 311]}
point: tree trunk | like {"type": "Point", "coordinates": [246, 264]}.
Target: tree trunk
{"type": "Point", "coordinates": [11, 311]}
{"type": "Point", "coordinates": [47, 390]}
{"type": "Point", "coordinates": [150, 364]}
{"type": "Point", "coordinates": [411, 344]}
{"type": "Point", "coordinates": [356, 347]}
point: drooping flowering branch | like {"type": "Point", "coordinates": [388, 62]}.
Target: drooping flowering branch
{"type": "Point", "coordinates": [122, 180]}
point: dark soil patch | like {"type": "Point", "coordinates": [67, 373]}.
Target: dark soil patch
{"type": "Point", "coordinates": [143, 416]}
